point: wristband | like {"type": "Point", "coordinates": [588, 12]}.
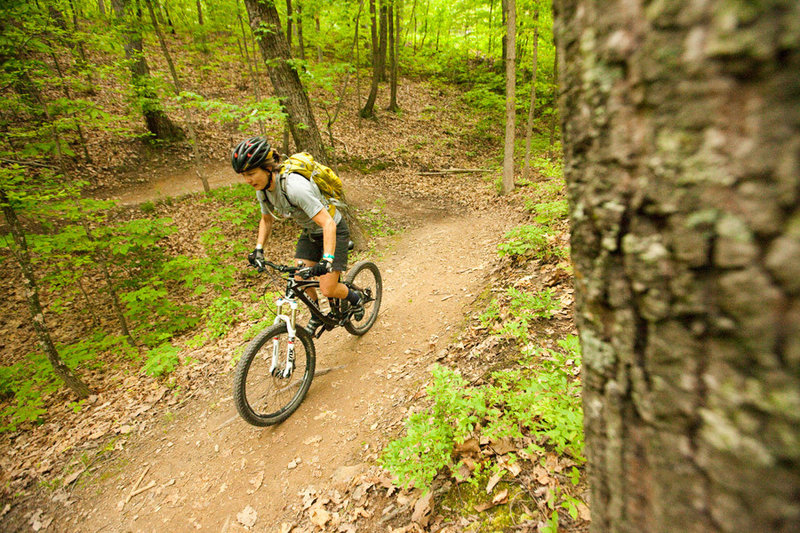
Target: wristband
{"type": "Point", "coordinates": [329, 257]}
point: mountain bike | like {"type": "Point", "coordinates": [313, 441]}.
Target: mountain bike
{"type": "Point", "coordinates": [275, 371]}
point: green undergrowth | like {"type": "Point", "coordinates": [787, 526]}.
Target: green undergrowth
{"type": "Point", "coordinates": [528, 395]}
{"type": "Point", "coordinates": [162, 294]}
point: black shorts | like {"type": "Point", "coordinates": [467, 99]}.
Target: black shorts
{"type": "Point", "coordinates": [309, 246]}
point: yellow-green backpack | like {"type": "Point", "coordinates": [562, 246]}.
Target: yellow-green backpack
{"type": "Point", "coordinates": [330, 185]}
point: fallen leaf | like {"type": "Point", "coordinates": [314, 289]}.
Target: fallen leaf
{"type": "Point", "coordinates": [423, 509]}
{"type": "Point", "coordinates": [514, 469]}
{"type": "Point", "coordinates": [257, 481]}
{"type": "Point", "coordinates": [319, 517]}
{"type": "Point", "coordinates": [503, 446]}
{"type": "Point", "coordinates": [247, 517]}
{"type": "Point", "coordinates": [286, 527]}
{"type": "Point", "coordinates": [468, 447]}
{"type": "Point", "coordinates": [501, 497]}
{"type": "Point", "coordinates": [494, 480]}
{"type": "Point", "coordinates": [72, 477]}
{"type": "Point", "coordinates": [584, 512]}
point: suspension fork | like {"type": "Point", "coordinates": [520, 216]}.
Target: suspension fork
{"type": "Point", "coordinates": [291, 327]}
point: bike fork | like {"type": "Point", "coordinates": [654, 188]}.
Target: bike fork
{"type": "Point", "coordinates": [290, 322]}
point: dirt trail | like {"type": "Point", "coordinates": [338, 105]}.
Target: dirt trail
{"type": "Point", "coordinates": [205, 464]}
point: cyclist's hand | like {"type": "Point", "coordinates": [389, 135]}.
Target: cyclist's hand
{"type": "Point", "coordinates": [256, 259]}
{"type": "Point", "coordinates": [321, 268]}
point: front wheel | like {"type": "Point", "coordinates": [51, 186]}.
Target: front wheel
{"type": "Point", "coordinates": [267, 387]}
{"type": "Point", "coordinates": [365, 277]}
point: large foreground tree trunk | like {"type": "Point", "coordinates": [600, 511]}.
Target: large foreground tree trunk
{"type": "Point", "coordinates": [275, 50]}
{"type": "Point", "coordinates": [21, 254]}
{"type": "Point", "coordinates": [681, 123]}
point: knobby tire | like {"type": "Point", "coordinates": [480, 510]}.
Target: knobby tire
{"type": "Point", "coordinates": [262, 399]}
{"type": "Point", "coordinates": [365, 274]}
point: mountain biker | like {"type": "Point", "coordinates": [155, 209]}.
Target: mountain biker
{"type": "Point", "coordinates": [323, 244]}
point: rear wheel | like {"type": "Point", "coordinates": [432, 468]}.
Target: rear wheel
{"type": "Point", "coordinates": [365, 277]}
{"type": "Point", "coordinates": [264, 398]}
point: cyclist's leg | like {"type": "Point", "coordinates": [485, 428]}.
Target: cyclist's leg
{"type": "Point", "coordinates": [308, 252]}
{"type": "Point", "coordinates": [329, 283]}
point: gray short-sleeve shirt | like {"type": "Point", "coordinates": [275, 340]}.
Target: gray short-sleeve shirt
{"type": "Point", "coordinates": [304, 201]}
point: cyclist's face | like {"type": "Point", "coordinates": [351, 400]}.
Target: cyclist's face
{"type": "Point", "coordinates": [256, 178]}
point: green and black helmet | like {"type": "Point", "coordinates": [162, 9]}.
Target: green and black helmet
{"type": "Point", "coordinates": [251, 153]}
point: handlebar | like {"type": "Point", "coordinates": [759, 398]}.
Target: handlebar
{"type": "Point", "coordinates": [303, 272]}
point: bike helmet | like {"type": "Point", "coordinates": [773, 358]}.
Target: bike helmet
{"type": "Point", "coordinates": [251, 153]}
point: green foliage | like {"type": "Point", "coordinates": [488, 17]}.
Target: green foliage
{"type": "Point", "coordinates": [483, 98]}
{"type": "Point", "coordinates": [376, 219]}
{"type": "Point", "coordinates": [541, 398]}
{"type": "Point", "coordinates": [431, 434]}
{"type": "Point", "coordinates": [28, 383]}
{"type": "Point", "coordinates": [529, 240]}
{"type": "Point", "coordinates": [522, 307]}
{"type": "Point", "coordinates": [161, 360]}
{"type": "Point", "coordinates": [246, 116]}
{"type": "Point", "coordinates": [546, 213]}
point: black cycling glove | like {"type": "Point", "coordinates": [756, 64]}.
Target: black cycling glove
{"type": "Point", "coordinates": [321, 268]}
{"type": "Point", "coordinates": [256, 258]}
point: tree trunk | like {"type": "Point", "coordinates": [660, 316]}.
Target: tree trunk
{"type": "Point", "coordinates": [112, 292]}
{"type": "Point", "coordinates": [266, 25]}
{"type": "Point", "coordinates": [369, 108]}
{"type": "Point", "coordinates": [177, 83]}
{"type": "Point", "coordinates": [682, 157]}
{"type": "Point", "coordinates": [157, 122]}
{"type": "Point", "coordinates": [526, 170]}
{"type": "Point", "coordinates": [289, 19]}
{"type": "Point", "coordinates": [554, 111]}
{"type": "Point", "coordinates": [382, 41]}
{"type": "Point", "coordinates": [199, 13]}
{"type": "Point", "coordinates": [83, 63]}
{"type": "Point", "coordinates": [319, 41]}
{"type": "Point", "coordinates": [22, 255]}
{"type": "Point", "coordinates": [300, 41]}
{"type": "Point", "coordinates": [491, 33]}
{"type": "Point", "coordinates": [394, 47]}
{"type": "Point", "coordinates": [504, 39]}
{"type": "Point", "coordinates": [169, 18]}
{"type": "Point", "coordinates": [101, 7]}
{"type": "Point", "coordinates": [358, 58]}
{"type": "Point", "coordinates": [511, 82]}
{"type": "Point", "coordinates": [250, 67]}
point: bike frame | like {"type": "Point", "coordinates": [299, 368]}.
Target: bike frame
{"type": "Point", "coordinates": [295, 290]}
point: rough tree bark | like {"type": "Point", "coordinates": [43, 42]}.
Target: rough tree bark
{"type": "Point", "coordinates": [382, 39]}
{"type": "Point", "coordinates": [300, 43]}
{"type": "Point", "coordinates": [369, 107]}
{"type": "Point", "coordinates": [157, 122]}
{"type": "Point", "coordinates": [395, 8]}
{"type": "Point", "coordinates": [511, 109]}
{"type": "Point", "coordinates": [526, 169]}
{"type": "Point", "coordinates": [21, 254]}
{"type": "Point", "coordinates": [275, 50]}
{"type": "Point", "coordinates": [681, 123]}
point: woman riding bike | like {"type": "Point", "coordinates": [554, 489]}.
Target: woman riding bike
{"type": "Point", "coordinates": [323, 245]}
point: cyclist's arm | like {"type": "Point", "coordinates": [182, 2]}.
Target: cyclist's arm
{"type": "Point", "coordinates": [326, 222]}
{"type": "Point", "coordinates": [264, 229]}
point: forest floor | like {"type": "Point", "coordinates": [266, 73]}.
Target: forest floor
{"type": "Point", "coordinates": [164, 463]}
{"type": "Point", "coordinates": [206, 465]}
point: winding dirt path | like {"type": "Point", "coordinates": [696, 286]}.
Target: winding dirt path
{"type": "Point", "coordinates": [207, 465]}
